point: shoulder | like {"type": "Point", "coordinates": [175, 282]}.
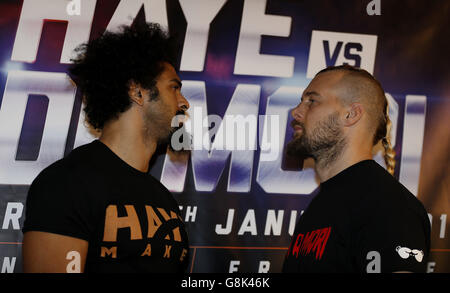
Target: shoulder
{"type": "Point", "coordinates": [63, 174]}
{"type": "Point", "coordinates": [53, 175]}
{"type": "Point", "coordinates": [390, 190]}
{"type": "Point", "coordinates": [390, 199]}
{"type": "Point", "coordinates": [78, 158]}
{"type": "Point", "coordinates": [57, 199]}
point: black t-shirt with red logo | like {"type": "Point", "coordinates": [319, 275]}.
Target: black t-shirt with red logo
{"type": "Point", "coordinates": [130, 220]}
{"type": "Point", "coordinates": [362, 220]}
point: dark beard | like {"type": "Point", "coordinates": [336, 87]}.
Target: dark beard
{"type": "Point", "coordinates": [324, 144]}
{"type": "Point", "coordinates": [164, 135]}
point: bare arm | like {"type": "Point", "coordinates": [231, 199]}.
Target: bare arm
{"type": "Point", "coordinates": [48, 252]}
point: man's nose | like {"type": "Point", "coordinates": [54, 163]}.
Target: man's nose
{"type": "Point", "coordinates": [298, 113]}
{"type": "Point", "coordinates": [183, 103]}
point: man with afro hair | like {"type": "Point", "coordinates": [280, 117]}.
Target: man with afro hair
{"type": "Point", "coordinates": [98, 209]}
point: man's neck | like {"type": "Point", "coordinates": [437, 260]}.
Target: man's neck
{"type": "Point", "coordinates": [326, 169]}
{"type": "Point", "coordinates": [129, 145]}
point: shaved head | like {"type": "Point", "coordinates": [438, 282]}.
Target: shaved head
{"type": "Point", "coordinates": [342, 108]}
{"type": "Point", "coordinates": [356, 85]}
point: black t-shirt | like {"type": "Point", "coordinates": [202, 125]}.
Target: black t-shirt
{"type": "Point", "coordinates": [362, 220]}
{"type": "Point", "coordinates": [131, 221]}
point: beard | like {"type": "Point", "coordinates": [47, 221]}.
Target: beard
{"type": "Point", "coordinates": [324, 144]}
{"type": "Point", "coordinates": [159, 126]}
{"type": "Point", "coordinates": [164, 130]}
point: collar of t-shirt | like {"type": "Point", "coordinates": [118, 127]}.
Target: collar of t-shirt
{"type": "Point", "coordinates": [117, 160]}
{"type": "Point", "coordinates": [350, 174]}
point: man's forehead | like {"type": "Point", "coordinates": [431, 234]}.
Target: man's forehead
{"type": "Point", "coordinates": [323, 85]}
{"type": "Point", "coordinates": [328, 77]}
{"type": "Point", "coordinates": [169, 72]}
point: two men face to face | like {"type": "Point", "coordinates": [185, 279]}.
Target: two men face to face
{"type": "Point", "coordinates": [317, 119]}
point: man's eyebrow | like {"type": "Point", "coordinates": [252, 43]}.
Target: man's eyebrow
{"type": "Point", "coordinates": [309, 94]}
{"type": "Point", "coordinates": [177, 81]}
{"type": "Point", "coordinates": [312, 93]}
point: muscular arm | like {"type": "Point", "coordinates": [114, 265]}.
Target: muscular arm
{"type": "Point", "coordinates": [47, 252]}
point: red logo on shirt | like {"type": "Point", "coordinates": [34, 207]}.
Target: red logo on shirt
{"type": "Point", "coordinates": [313, 242]}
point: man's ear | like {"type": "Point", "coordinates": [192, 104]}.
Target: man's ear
{"type": "Point", "coordinates": [354, 113]}
{"type": "Point", "coordinates": [135, 93]}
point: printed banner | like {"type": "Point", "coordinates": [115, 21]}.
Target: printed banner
{"type": "Point", "coordinates": [238, 57]}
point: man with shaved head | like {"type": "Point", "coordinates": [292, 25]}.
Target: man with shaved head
{"type": "Point", "coordinates": [362, 219]}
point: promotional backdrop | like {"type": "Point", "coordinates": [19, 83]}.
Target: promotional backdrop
{"type": "Point", "coordinates": [237, 57]}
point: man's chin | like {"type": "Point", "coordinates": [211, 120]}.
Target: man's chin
{"type": "Point", "coordinates": [297, 135]}
{"type": "Point", "coordinates": [295, 148]}
{"type": "Point", "coordinates": [300, 154]}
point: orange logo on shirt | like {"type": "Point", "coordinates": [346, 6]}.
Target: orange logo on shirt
{"type": "Point", "coordinates": [131, 221]}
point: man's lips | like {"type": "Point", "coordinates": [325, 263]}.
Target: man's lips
{"type": "Point", "coordinates": [297, 126]}
{"type": "Point", "coordinates": [180, 117]}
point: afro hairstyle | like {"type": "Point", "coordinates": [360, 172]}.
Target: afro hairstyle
{"type": "Point", "coordinates": [104, 67]}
